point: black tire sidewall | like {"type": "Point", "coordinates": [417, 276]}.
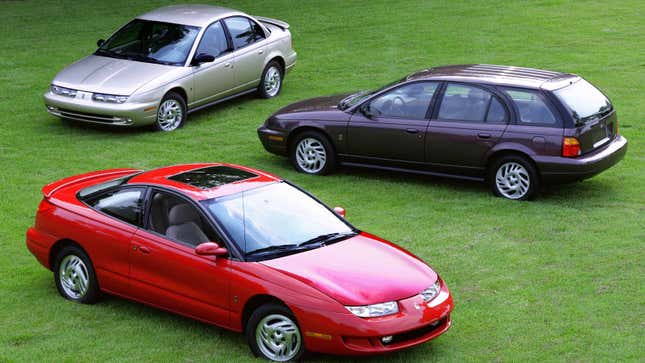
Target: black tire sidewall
{"type": "Point", "coordinates": [93, 290]}
{"type": "Point", "coordinates": [534, 183]}
{"type": "Point", "coordinates": [259, 314]}
{"type": "Point", "coordinates": [261, 91]}
{"type": "Point", "coordinates": [182, 102]}
{"type": "Point", "coordinates": [330, 164]}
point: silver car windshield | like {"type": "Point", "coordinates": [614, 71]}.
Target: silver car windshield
{"type": "Point", "coordinates": [152, 42]}
{"type": "Point", "coordinates": [277, 218]}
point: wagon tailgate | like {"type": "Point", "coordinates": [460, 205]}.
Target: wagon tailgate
{"type": "Point", "coordinates": [51, 188]}
{"type": "Point", "coordinates": [593, 135]}
{"type": "Point", "coordinates": [278, 23]}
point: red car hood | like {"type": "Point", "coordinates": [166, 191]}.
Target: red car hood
{"type": "Point", "coordinates": [361, 270]}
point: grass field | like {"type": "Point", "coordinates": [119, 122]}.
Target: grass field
{"type": "Point", "coordinates": [557, 279]}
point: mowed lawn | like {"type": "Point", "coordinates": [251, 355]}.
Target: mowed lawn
{"type": "Point", "coordinates": [557, 279]}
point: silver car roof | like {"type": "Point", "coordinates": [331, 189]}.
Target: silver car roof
{"type": "Point", "coordinates": [196, 15]}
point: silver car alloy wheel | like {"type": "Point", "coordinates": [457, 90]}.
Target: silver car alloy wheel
{"type": "Point", "coordinates": [512, 180]}
{"type": "Point", "coordinates": [272, 80]}
{"type": "Point", "coordinates": [311, 155]}
{"type": "Point", "coordinates": [170, 115]}
{"type": "Point", "coordinates": [278, 337]}
{"type": "Point", "coordinates": [73, 275]}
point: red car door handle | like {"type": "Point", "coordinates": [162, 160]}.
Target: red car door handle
{"type": "Point", "coordinates": [144, 249]}
{"type": "Point", "coordinates": [411, 131]}
{"type": "Point", "coordinates": [483, 135]}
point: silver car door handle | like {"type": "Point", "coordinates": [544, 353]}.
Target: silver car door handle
{"type": "Point", "coordinates": [227, 65]}
{"type": "Point", "coordinates": [260, 51]}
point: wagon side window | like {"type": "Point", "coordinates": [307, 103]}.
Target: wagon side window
{"type": "Point", "coordinates": [531, 106]}
{"type": "Point", "coordinates": [124, 204]}
{"type": "Point", "coordinates": [473, 104]}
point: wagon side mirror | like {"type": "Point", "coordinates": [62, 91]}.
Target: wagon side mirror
{"type": "Point", "coordinates": [340, 211]}
{"type": "Point", "coordinates": [100, 42]}
{"type": "Point", "coordinates": [202, 58]}
{"type": "Point", "coordinates": [210, 249]}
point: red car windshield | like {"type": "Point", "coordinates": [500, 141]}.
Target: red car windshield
{"type": "Point", "coordinates": [277, 218]}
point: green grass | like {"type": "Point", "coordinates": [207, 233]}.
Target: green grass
{"type": "Point", "coordinates": [557, 279]}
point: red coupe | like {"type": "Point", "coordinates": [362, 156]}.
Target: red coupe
{"type": "Point", "coordinates": [241, 249]}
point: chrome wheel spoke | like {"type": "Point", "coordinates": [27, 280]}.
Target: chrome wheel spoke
{"type": "Point", "coordinates": [311, 155]}
{"type": "Point", "coordinates": [272, 81]}
{"type": "Point", "coordinates": [169, 115]}
{"type": "Point", "coordinates": [512, 180]}
{"type": "Point", "coordinates": [73, 276]}
{"type": "Point", "coordinates": [278, 337]}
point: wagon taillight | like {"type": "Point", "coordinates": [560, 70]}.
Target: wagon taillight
{"type": "Point", "coordinates": [570, 147]}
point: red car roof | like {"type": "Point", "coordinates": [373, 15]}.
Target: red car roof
{"type": "Point", "coordinates": [161, 177]}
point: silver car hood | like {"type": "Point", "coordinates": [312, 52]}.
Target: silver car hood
{"type": "Point", "coordinates": [113, 76]}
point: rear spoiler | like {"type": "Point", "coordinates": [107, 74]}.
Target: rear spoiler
{"type": "Point", "coordinates": [51, 188]}
{"type": "Point", "coordinates": [279, 23]}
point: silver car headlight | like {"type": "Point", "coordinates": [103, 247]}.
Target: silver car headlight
{"type": "Point", "coordinates": [431, 292]}
{"type": "Point", "coordinates": [372, 311]}
{"type": "Point", "coordinates": [102, 97]}
{"type": "Point", "coordinates": [62, 91]}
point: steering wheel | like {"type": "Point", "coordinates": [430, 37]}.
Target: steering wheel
{"type": "Point", "coordinates": [398, 105]}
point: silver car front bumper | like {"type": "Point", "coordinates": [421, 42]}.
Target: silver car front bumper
{"type": "Point", "coordinates": [83, 108]}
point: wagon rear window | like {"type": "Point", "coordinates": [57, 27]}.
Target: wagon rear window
{"type": "Point", "coordinates": [212, 177]}
{"type": "Point", "coordinates": [583, 100]}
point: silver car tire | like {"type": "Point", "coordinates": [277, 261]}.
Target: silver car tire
{"type": "Point", "coordinates": [171, 113]}
{"type": "Point", "coordinates": [271, 81]}
{"type": "Point", "coordinates": [272, 333]}
{"type": "Point", "coordinates": [74, 275]}
{"type": "Point", "coordinates": [513, 177]}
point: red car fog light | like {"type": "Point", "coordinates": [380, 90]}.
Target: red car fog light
{"type": "Point", "coordinates": [570, 147]}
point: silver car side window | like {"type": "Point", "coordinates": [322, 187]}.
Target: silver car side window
{"type": "Point", "coordinates": [213, 41]}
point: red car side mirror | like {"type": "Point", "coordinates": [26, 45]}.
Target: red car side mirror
{"type": "Point", "coordinates": [210, 249]}
{"type": "Point", "coordinates": [340, 211]}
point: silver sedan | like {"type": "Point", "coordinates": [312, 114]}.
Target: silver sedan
{"type": "Point", "coordinates": [172, 61]}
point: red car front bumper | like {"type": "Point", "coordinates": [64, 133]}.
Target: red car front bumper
{"type": "Point", "coordinates": [346, 334]}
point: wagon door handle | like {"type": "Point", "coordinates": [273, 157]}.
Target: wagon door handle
{"type": "Point", "coordinates": [483, 135]}
{"type": "Point", "coordinates": [144, 250]}
{"type": "Point", "coordinates": [411, 131]}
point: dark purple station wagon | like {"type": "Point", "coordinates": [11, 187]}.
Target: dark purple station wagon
{"type": "Point", "coordinates": [513, 127]}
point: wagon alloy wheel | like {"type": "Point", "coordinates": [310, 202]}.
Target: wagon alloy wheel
{"type": "Point", "coordinates": [278, 337]}
{"type": "Point", "coordinates": [272, 81]}
{"type": "Point", "coordinates": [311, 155]}
{"type": "Point", "coordinates": [170, 115]}
{"type": "Point", "coordinates": [74, 276]}
{"type": "Point", "coordinates": [513, 180]}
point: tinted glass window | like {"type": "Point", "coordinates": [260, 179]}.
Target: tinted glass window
{"type": "Point", "coordinates": [124, 204]}
{"type": "Point", "coordinates": [152, 42]}
{"type": "Point", "coordinates": [179, 220]}
{"type": "Point", "coordinates": [532, 107]}
{"type": "Point", "coordinates": [243, 31]}
{"type": "Point", "coordinates": [496, 112]}
{"type": "Point", "coordinates": [584, 100]}
{"type": "Point", "coordinates": [211, 177]}
{"type": "Point", "coordinates": [104, 186]}
{"type": "Point", "coordinates": [467, 103]}
{"type": "Point", "coordinates": [213, 41]}
{"type": "Point", "coordinates": [410, 101]}
{"type": "Point", "coordinates": [277, 214]}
